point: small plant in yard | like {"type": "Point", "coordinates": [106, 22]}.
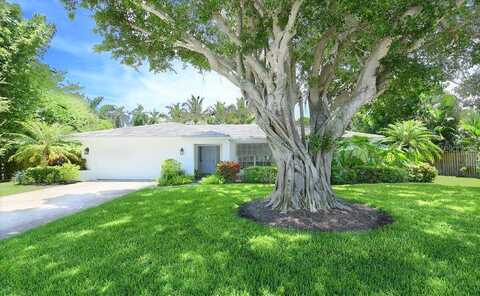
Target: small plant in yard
{"type": "Point", "coordinates": [69, 172]}
{"type": "Point", "coordinates": [212, 179]}
{"type": "Point", "coordinates": [228, 170]}
{"type": "Point", "coordinates": [172, 174]}
{"type": "Point", "coordinates": [421, 173]}
{"type": "Point", "coordinates": [175, 180]}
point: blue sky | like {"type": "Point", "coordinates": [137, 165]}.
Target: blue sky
{"type": "Point", "coordinates": [71, 50]}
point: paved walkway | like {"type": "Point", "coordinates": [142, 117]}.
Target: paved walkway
{"type": "Point", "coordinates": [23, 211]}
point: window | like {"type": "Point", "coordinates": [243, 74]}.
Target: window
{"type": "Point", "coordinates": [254, 155]}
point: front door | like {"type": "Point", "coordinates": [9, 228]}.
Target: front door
{"type": "Point", "coordinates": [208, 157]}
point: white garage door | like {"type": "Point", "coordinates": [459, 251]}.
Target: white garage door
{"type": "Point", "coordinates": [132, 158]}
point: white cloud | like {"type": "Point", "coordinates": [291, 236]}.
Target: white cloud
{"type": "Point", "coordinates": [123, 85]}
{"type": "Point", "coordinates": [74, 48]}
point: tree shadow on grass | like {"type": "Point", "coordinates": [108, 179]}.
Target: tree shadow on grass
{"type": "Point", "coordinates": [190, 241]}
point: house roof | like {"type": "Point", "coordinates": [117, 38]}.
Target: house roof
{"type": "Point", "coordinates": [173, 129]}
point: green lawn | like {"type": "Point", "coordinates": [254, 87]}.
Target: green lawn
{"type": "Point", "coordinates": [190, 241]}
{"type": "Point", "coordinates": [8, 188]}
{"type": "Point", "coordinates": [457, 181]}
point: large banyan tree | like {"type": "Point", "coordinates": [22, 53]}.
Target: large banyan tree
{"type": "Point", "coordinates": [333, 56]}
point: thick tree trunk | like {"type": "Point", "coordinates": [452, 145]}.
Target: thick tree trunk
{"type": "Point", "coordinates": [302, 183]}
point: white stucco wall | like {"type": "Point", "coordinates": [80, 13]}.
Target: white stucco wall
{"type": "Point", "coordinates": [141, 158]}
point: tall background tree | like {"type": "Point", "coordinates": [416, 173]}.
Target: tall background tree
{"type": "Point", "coordinates": [116, 114]}
{"type": "Point", "coordinates": [139, 116]}
{"type": "Point", "coordinates": [242, 114]}
{"type": "Point", "coordinates": [337, 55]}
{"type": "Point", "coordinates": [22, 42]}
{"type": "Point", "coordinates": [194, 109]}
{"type": "Point", "coordinates": [176, 112]}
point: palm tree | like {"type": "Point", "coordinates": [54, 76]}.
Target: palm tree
{"type": "Point", "coordinates": [176, 112]}
{"type": "Point", "coordinates": [441, 115]}
{"type": "Point", "coordinates": [155, 117]}
{"type": "Point", "coordinates": [414, 138]}
{"type": "Point", "coordinates": [139, 116]}
{"type": "Point", "coordinates": [118, 115]}
{"type": "Point", "coordinates": [94, 103]}
{"type": "Point", "coordinates": [194, 109]}
{"type": "Point", "coordinates": [242, 114]}
{"type": "Point", "coordinates": [470, 127]}
{"type": "Point", "coordinates": [40, 143]}
{"type": "Point", "coordinates": [219, 113]}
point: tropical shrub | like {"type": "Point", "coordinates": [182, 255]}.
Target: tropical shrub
{"type": "Point", "coordinates": [172, 174]}
{"type": "Point", "coordinates": [228, 170]}
{"type": "Point", "coordinates": [260, 174]}
{"type": "Point", "coordinates": [40, 143]}
{"type": "Point", "coordinates": [357, 151]}
{"type": "Point", "coordinates": [421, 173]}
{"type": "Point", "coordinates": [414, 139]}
{"type": "Point", "coordinates": [360, 151]}
{"type": "Point", "coordinates": [212, 179]}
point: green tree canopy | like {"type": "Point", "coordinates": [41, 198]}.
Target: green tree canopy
{"type": "Point", "coordinates": [22, 41]}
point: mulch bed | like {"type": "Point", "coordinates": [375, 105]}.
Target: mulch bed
{"type": "Point", "coordinates": [360, 217]}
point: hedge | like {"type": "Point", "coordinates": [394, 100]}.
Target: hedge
{"type": "Point", "coordinates": [259, 174]}
{"type": "Point", "coordinates": [369, 174]}
{"type": "Point", "coordinates": [46, 175]}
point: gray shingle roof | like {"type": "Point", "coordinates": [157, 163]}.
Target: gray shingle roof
{"type": "Point", "coordinates": [173, 129]}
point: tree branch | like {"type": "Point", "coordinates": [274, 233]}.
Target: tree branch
{"type": "Point", "coordinates": [366, 88]}
{"type": "Point", "coordinates": [160, 14]}
{"type": "Point", "coordinates": [221, 24]}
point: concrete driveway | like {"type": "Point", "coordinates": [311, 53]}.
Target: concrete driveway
{"type": "Point", "coordinates": [23, 211]}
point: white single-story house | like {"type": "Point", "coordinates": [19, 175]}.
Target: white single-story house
{"type": "Point", "coordinates": [138, 152]}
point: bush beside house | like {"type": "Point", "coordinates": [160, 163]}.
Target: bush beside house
{"type": "Point", "coordinates": [228, 170]}
{"type": "Point", "coordinates": [172, 174]}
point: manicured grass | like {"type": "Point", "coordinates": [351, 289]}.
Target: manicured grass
{"type": "Point", "coordinates": [457, 181]}
{"type": "Point", "coordinates": [8, 188]}
{"type": "Point", "coordinates": [189, 241]}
